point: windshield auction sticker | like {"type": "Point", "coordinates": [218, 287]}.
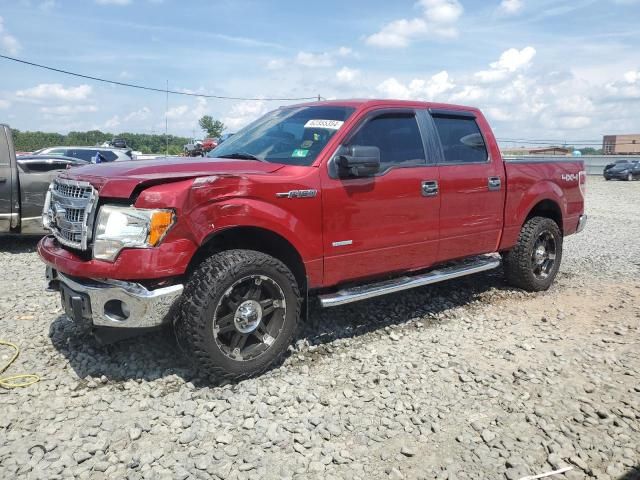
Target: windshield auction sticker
{"type": "Point", "coordinates": [326, 124]}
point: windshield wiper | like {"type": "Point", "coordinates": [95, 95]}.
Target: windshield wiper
{"type": "Point", "coordinates": [241, 156]}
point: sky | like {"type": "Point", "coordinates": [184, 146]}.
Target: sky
{"type": "Point", "coordinates": [549, 70]}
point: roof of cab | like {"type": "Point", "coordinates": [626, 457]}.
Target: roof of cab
{"type": "Point", "coordinates": [362, 103]}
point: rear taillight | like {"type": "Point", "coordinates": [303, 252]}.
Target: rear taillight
{"type": "Point", "coordinates": [582, 182]}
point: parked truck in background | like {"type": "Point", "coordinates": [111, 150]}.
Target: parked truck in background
{"type": "Point", "coordinates": [338, 200]}
{"type": "Point", "coordinates": [24, 182]}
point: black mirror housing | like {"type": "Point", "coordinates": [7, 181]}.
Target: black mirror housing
{"type": "Point", "coordinates": [358, 161]}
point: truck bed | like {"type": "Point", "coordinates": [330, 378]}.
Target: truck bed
{"type": "Point", "coordinates": [531, 181]}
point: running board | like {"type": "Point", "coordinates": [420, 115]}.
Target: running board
{"type": "Point", "coordinates": [447, 272]}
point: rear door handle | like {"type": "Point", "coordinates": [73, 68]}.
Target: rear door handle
{"type": "Point", "coordinates": [494, 183]}
{"type": "Point", "coordinates": [3, 179]}
{"type": "Point", "coordinates": [429, 188]}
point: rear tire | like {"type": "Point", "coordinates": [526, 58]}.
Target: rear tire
{"type": "Point", "coordinates": [534, 262]}
{"type": "Point", "coordinates": [239, 314]}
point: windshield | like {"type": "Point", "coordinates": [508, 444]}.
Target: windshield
{"type": "Point", "coordinates": [293, 136]}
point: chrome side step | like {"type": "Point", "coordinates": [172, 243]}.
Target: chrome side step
{"type": "Point", "coordinates": [447, 272]}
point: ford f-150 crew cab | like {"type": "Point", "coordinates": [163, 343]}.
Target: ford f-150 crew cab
{"type": "Point", "coordinates": [342, 200]}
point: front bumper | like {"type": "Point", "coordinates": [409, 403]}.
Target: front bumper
{"type": "Point", "coordinates": [582, 222]}
{"type": "Point", "coordinates": [113, 303]}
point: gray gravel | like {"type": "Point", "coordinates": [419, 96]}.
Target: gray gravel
{"type": "Point", "coordinates": [469, 379]}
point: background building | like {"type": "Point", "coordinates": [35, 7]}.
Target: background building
{"type": "Point", "coordinates": [621, 144]}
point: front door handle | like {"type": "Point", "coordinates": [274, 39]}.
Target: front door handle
{"type": "Point", "coordinates": [494, 183]}
{"type": "Point", "coordinates": [429, 188]}
{"type": "Point", "coordinates": [3, 179]}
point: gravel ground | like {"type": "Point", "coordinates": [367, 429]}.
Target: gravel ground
{"type": "Point", "coordinates": [469, 379]}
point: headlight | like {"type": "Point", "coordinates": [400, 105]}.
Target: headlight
{"type": "Point", "coordinates": [129, 227]}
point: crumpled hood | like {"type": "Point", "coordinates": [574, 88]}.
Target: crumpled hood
{"type": "Point", "coordinates": [119, 179]}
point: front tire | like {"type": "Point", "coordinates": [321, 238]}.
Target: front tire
{"type": "Point", "coordinates": [630, 177]}
{"type": "Point", "coordinates": [239, 314]}
{"type": "Point", "coordinates": [535, 260]}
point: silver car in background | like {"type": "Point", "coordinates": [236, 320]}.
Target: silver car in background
{"type": "Point", "coordinates": [89, 154]}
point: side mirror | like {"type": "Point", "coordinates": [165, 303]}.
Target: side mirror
{"type": "Point", "coordinates": [358, 161]}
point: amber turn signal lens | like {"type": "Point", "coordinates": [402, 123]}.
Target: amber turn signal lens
{"type": "Point", "coordinates": [160, 223]}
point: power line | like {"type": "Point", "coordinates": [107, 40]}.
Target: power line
{"type": "Point", "coordinates": [568, 142]}
{"type": "Point", "coordinates": [143, 87]}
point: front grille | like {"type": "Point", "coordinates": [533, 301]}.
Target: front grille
{"type": "Point", "coordinates": [69, 212]}
{"type": "Point", "coordinates": [75, 215]}
{"type": "Point", "coordinates": [72, 191]}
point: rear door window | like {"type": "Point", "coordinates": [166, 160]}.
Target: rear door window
{"type": "Point", "coordinates": [461, 139]}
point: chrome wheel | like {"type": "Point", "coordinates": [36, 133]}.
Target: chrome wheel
{"type": "Point", "coordinates": [630, 177]}
{"type": "Point", "coordinates": [249, 317]}
{"type": "Point", "coordinates": [543, 257]}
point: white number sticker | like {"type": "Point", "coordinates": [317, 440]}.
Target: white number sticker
{"type": "Point", "coordinates": [327, 124]}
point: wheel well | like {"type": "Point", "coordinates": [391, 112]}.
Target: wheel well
{"type": "Point", "coordinates": [253, 238]}
{"type": "Point", "coordinates": [547, 209]}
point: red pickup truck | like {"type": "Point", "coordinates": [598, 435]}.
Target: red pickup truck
{"type": "Point", "coordinates": [342, 200]}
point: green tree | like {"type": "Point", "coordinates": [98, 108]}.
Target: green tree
{"type": "Point", "coordinates": [214, 128]}
{"type": "Point", "coordinates": [31, 141]}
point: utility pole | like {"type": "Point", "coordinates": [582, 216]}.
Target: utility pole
{"type": "Point", "coordinates": [166, 122]}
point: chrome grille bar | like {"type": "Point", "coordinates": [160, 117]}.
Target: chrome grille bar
{"type": "Point", "coordinates": [69, 212]}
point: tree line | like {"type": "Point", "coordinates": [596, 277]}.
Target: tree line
{"type": "Point", "coordinates": [142, 142]}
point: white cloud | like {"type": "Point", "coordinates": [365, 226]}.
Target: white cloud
{"type": "Point", "coordinates": [311, 59]}
{"type": "Point", "coordinates": [4, 104]}
{"type": "Point", "coordinates": [442, 11]}
{"type": "Point", "coordinates": [113, 2]}
{"type": "Point", "coordinates": [177, 112]}
{"type": "Point", "coordinates": [417, 89]}
{"type": "Point", "coordinates": [308, 59]}
{"type": "Point", "coordinates": [510, 61]}
{"type": "Point", "coordinates": [138, 115]}
{"type": "Point", "coordinates": [182, 117]}
{"type": "Point", "coordinates": [626, 89]}
{"type": "Point", "coordinates": [498, 114]}
{"type": "Point", "coordinates": [469, 94]}
{"type": "Point", "coordinates": [632, 77]}
{"type": "Point", "coordinates": [347, 75]}
{"type": "Point", "coordinates": [112, 122]}
{"type": "Point", "coordinates": [438, 19]}
{"type": "Point", "coordinates": [511, 7]}
{"type": "Point", "coordinates": [398, 33]}
{"type": "Point", "coordinates": [8, 43]}
{"type": "Point", "coordinates": [50, 91]}
{"type": "Point", "coordinates": [69, 109]}
{"type": "Point", "coordinates": [243, 113]}
{"type": "Point", "coordinates": [48, 5]}
{"type": "Point", "coordinates": [574, 105]}
{"type": "Point", "coordinates": [275, 64]}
